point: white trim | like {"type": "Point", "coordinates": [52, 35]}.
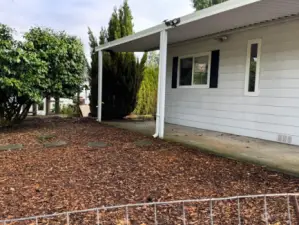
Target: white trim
{"type": "Point", "coordinates": [141, 34]}
{"type": "Point", "coordinates": [100, 85]}
{"type": "Point", "coordinates": [238, 30]}
{"type": "Point", "coordinates": [214, 10]}
{"type": "Point", "coordinates": [258, 67]}
{"type": "Point", "coordinates": [193, 56]}
{"type": "Point", "coordinates": [162, 75]}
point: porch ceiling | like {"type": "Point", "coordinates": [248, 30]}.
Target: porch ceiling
{"type": "Point", "coordinates": [227, 16]}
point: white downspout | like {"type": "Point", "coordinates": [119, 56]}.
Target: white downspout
{"type": "Point", "coordinates": [100, 85]}
{"type": "Point", "coordinates": [161, 86]}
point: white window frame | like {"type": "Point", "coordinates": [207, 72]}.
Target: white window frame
{"type": "Point", "coordinates": [209, 54]}
{"type": "Point", "coordinates": [258, 67]}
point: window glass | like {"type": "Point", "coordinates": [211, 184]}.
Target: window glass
{"type": "Point", "coordinates": [186, 71]}
{"type": "Point", "coordinates": [253, 67]}
{"type": "Point", "coordinates": [201, 66]}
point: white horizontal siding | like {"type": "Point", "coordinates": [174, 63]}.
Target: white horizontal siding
{"type": "Point", "coordinates": [249, 125]}
{"type": "Point", "coordinates": [280, 74]}
{"type": "Point", "coordinates": [231, 77]}
{"type": "Point", "coordinates": [230, 129]}
{"type": "Point", "coordinates": [226, 109]}
{"type": "Point", "coordinates": [284, 93]}
{"type": "Point", "coordinates": [280, 84]}
{"type": "Point", "coordinates": [241, 100]}
{"type": "Point", "coordinates": [267, 110]}
{"type": "Point", "coordinates": [266, 119]}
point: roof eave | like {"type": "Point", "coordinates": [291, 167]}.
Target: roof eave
{"type": "Point", "coordinates": [226, 6]}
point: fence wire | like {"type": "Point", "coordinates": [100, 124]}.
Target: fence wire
{"type": "Point", "coordinates": [211, 210]}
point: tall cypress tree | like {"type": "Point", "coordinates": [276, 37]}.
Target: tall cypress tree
{"type": "Point", "coordinates": [122, 72]}
{"type": "Point", "coordinates": [93, 73]}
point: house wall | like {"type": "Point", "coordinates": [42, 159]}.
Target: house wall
{"type": "Point", "coordinates": [275, 111]}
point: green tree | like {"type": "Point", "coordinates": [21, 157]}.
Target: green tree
{"type": "Point", "coordinates": [93, 73]}
{"type": "Point", "coordinates": [202, 4]}
{"type": "Point", "coordinates": [122, 72]}
{"type": "Point", "coordinates": [64, 55]}
{"type": "Point", "coordinates": [147, 94]}
{"type": "Point", "coordinates": [22, 73]}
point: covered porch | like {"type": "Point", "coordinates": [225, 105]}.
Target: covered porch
{"type": "Point", "coordinates": [275, 156]}
{"type": "Point", "coordinates": [212, 23]}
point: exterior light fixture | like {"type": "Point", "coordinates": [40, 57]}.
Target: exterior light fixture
{"type": "Point", "coordinates": [222, 38]}
{"type": "Point", "coordinates": [172, 23]}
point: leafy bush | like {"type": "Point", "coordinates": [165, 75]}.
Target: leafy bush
{"type": "Point", "coordinates": [69, 110]}
{"type": "Point", "coordinates": [21, 72]}
{"type": "Point", "coordinates": [147, 95]}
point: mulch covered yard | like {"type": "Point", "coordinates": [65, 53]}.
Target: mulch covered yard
{"type": "Point", "coordinates": [37, 180]}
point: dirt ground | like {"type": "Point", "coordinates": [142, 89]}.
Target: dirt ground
{"type": "Point", "coordinates": [38, 180]}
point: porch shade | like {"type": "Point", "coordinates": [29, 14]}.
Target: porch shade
{"type": "Point", "coordinates": [233, 14]}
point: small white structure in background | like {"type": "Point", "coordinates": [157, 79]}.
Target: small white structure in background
{"type": "Point", "coordinates": [41, 108]}
{"type": "Point", "coordinates": [64, 102]}
{"type": "Point", "coordinates": [232, 68]}
{"type": "Point", "coordinates": [84, 95]}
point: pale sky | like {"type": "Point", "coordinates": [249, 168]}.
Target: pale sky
{"type": "Point", "coordinates": [74, 16]}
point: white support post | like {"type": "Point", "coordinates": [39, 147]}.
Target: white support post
{"type": "Point", "coordinates": [162, 76]}
{"type": "Point", "coordinates": [158, 108]}
{"type": "Point", "coordinates": [100, 85]}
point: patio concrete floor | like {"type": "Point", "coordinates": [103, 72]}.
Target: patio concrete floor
{"type": "Point", "coordinates": [275, 156]}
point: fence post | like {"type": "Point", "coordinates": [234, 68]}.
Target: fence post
{"type": "Point", "coordinates": [266, 210]}
{"type": "Point", "coordinates": [184, 214]}
{"type": "Point", "coordinates": [239, 211]}
{"type": "Point", "coordinates": [67, 218]}
{"type": "Point", "coordinates": [156, 220]}
{"type": "Point", "coordinates": [127, 215]}
{"type": "Point", "coordinates": [211, 212]}
{"type": "Point", "coordinates": [289, 210]}
{"type": "Point", "coordinates": [98, 217]}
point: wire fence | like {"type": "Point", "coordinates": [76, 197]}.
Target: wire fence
{"type": "Point", "coordinates": [250, 209]}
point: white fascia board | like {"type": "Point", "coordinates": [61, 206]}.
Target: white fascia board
{"type": "Point", "coordinates": [216, 9]}
{"type": "Point", "coordinates": [141, 34]}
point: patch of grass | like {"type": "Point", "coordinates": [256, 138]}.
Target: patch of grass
{"type": "Point", "coordinates": [97, 144]}
{"type": "Point", "coordinates": [11, 147]}
{"type": "Point", "coordinates": [46, 137]}
{"type": "Point", "coordinates": [55, 144]}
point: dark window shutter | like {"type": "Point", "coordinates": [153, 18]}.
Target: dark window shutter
{"type": "Point", "coordinates": [175, 64]}
{"type": "Point", "coordinates": [214, 69]}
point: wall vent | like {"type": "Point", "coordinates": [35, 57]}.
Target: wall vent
{"type": "Point", "coordinates": [283, 138]}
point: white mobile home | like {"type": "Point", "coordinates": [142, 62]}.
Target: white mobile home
{"type": "Point", "coordinates": [232, 68]}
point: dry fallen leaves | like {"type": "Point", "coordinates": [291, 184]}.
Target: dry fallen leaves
{"type": "Point", "coordinates": [35, 180]}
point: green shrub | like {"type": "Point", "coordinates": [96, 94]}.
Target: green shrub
{"type": "Point", "coordinates": [69, 110]}
{"type": "Point", "coordinates": [147, 95]}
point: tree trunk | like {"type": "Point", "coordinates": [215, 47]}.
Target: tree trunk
{"type": "Point", "coordinates": [2, 119]}
{"type": "Point", "coordinates": [57, 105]}
{"type": "Point", "coordinates": [78, 104]}
{"type": "Point", "coordinates": [48, 105]}
{"type": "Point", "coordinates": [34, 109]}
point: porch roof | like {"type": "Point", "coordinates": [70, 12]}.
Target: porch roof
{"type": "Point", "coordinates": [227, 16]}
